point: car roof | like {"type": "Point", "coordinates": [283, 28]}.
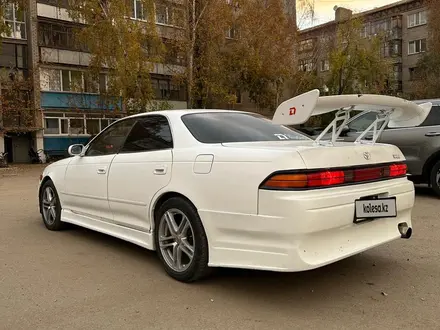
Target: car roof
{"type": "Point", "coordinates": [181, 112]}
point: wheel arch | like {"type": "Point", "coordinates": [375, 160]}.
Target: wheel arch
{"type": "Point", "coordinates": [162, 198]}
{"type": "Point", "coordinates": [43, 181]}
{"type": "Point", "coordinates": [429, 164]}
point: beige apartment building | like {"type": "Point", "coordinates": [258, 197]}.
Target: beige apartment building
{"type": "Point", "coordinates": [404, 24]}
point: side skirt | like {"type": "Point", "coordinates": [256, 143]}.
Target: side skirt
{"type": "Point", "coordinates": [134, 236]}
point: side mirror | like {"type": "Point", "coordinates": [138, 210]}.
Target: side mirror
{"type": "Point", "coordinates": [75, 149]}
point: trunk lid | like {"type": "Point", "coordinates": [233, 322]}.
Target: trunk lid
{"type": "Point", "coordinates": [342, 154]}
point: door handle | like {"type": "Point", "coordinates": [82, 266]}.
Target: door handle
{"type": "Point", "coordinates": [160, 170]}
{"type": "Point", "coordinates": [101, 171]}
{"type": "Point", "coordinates": [431, 134]}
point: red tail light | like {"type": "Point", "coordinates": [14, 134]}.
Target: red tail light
{"type": "Point", "coordinates": [328, 178]}
{"type": "Point", "coordinates": [397, 170]}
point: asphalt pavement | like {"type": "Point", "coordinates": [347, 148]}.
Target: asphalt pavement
{"type": "Point", "coordinates": [79, 279]}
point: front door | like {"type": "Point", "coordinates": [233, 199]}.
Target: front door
{"type": "Point", "coordinates": [139, 171]}
{"type": "Point", "coordinates": [86, 176]}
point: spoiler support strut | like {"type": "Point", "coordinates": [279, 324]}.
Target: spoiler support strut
{"type": "Point", "coordinates": [342, 115]}
{"type": "Point", "coordinates": [382, 117]}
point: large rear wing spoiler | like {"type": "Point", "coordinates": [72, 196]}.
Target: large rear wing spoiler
{"type": "Point", "coordinates": [392, 111]}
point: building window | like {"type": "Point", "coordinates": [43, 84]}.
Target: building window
{"type": "Point", "coordinates": [56, 80]}
{"type": "Point", "coordinates": [50, 80]}
{"type": "Point", "coordinates": [13, 56]}
{"type": "Point", "coordinates": [232, 33]}
{"type": "Point", "coordinates": [178, 17]}
{"type": "Point", "coordinates": [75, 124]}
{"type": "Point", "coordinates": [306, 65]}
{"type": "Point", "coordinates": [305, 45]}
{"type": "Point", "coordinates": [165, 14]}
{"type": "Point", "coordinates": [15, 21]}
{"type": "Point", "coordinates": [417, 46]}
{"type": "Point", "coordinates": [56, 35]}
{"type": "Point", "coordinates": [165, 89]}
{"type": "Point", "coordinates": [397, 72]}
{"type": "Point", "coordinates": [417, 19]}
{"type": "Point", "coordinates": [325, 65]}
{"type": "Point", "coordinates": [364, 31]}
{"type": "Point", "coordinates": [413, 73]}
{"type": "Point", "coordinates": [51, 126]}
{"type": "Point", "coordinates": [56, 3]}
{"type": "Point", "coordinates": [139, 11]}
{"type": "Point", "coordinates": [162, 15]}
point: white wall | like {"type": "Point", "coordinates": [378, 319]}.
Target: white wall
{"type": "Point", "coordinates": [51, 55]}
{"type": "Point", "coordinates": [53, 12]}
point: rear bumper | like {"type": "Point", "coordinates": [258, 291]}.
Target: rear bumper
{"type": "Point", "coordinates": [296, 231]}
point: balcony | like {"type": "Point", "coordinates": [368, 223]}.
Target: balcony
{"type": "Point", "coordinates": [63, 100]}
{"type": "Point", "coordinates": [395, 33]}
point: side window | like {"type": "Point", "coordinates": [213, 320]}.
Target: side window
{"type": "Point", "coordinates": [149, 133]}
{"type": "Point", "coordinates": [433, 118]}
{"type": "Point", "coordinates": [361, 123]}
{"type": "Point", "coordinates": [111, 140]}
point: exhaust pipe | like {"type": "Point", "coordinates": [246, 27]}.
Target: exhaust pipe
{"type": "Point", "coordinates": [405, 231]}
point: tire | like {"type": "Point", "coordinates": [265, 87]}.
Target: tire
{"type": "Point", "coordinates": [174, 247]}
{"type": "Point", "coordinates": [51, 207]}
{"type": "Point", "coordinates": [435, 178]}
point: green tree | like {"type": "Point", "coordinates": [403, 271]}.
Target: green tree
{"type": "Point", "coordinates": [356, 63]}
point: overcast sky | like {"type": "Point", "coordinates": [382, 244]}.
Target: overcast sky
{"type": "Point", "coordinates": [324, 8]}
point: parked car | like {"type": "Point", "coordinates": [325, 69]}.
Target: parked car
{"type": "Point", "coordinates": [420, 145]}
{"type": "Point", "coordinates": [218, 188]}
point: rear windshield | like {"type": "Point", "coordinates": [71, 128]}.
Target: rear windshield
{"type": "Point", "coordinates": [222, 127]}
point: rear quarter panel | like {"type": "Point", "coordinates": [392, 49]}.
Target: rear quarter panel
{"type": "Point", "coordinates": [232, 184]}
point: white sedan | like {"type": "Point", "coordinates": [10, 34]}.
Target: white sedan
{"type": "Point", "coordinates": [218, 188]}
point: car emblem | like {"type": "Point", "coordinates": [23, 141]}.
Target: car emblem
{"type": "Point", "coordinates": [367, 155]}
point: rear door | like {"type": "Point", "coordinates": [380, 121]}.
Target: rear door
{"type": "Point", "coordinates": [141, 168]}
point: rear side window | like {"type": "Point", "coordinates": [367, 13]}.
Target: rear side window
{"type": "Point", "coordinates": [223, 127]}
{"type": "Point", "coordinates": [433, 118]}
{"type": "Point", "coordinates": [149, 133]}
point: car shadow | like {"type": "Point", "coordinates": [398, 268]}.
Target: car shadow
{"type": "Point", "coordinates": [343, 277]}
{"type": "Point", "coordinates": [424, 190]}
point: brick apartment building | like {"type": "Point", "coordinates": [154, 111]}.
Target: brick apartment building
{"type": "Point", "coordinates": [70, 109]}
{"type": "Point", "coordinates": [404, 24]}
{"type": "Point", "coordinates": [41, 47]}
